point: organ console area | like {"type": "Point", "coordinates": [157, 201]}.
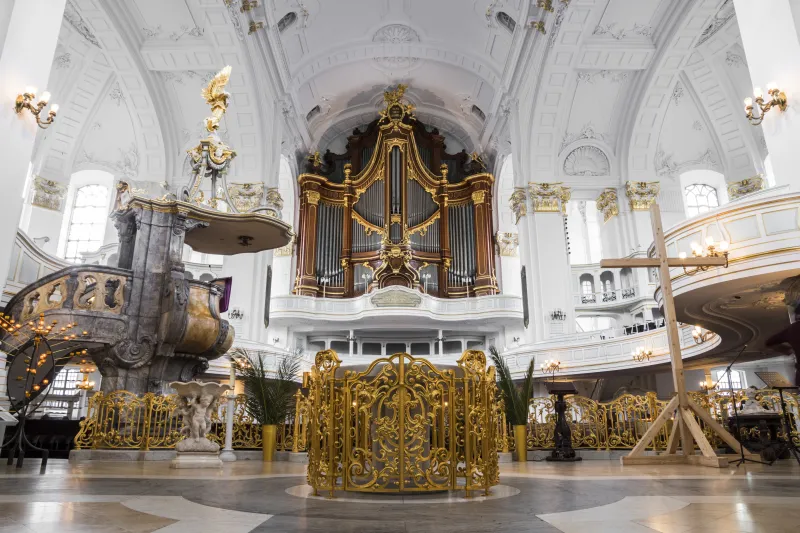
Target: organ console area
{"type": "Point", "coordinates": [395, 210]}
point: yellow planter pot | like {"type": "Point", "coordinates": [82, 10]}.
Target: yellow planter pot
{"type": "Point", "coordinates": [268, 435]}
{"type": "Point", "coordinates": [520, 443]}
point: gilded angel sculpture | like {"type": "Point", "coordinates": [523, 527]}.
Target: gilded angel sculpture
{"type": "Point", "coordinates": [217, 97]}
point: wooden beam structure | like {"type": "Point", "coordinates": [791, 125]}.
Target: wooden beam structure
{"type": "Point", "coordinates": [685, 430]}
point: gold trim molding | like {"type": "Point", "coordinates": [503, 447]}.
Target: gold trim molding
{"type": "Point", "coordinates": [737, 189]}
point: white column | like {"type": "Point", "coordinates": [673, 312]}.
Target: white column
{"type": "Point", "coordinates": [27, 56]}
{"type": "Point", "coordinates": [441, 342]}
{"type": "Point", "coordinates": [227, 454]}
{"type": "Point", "coordinates": [350, 338]}
{"type": "Point", "coordinates": [770, 41]}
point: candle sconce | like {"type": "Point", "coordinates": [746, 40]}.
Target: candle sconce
{"type": "Point", "coordinates": [777, 99]}
{"type": "Point", "coordinates": [25, 101]}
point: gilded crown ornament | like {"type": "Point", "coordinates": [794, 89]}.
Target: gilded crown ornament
{"type": "Point", "coordinates": [395, 110]}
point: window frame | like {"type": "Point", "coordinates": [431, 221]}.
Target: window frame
{"type": "Point", "coordinates": [71, 223]}
{"type": "Point", "coordinates": [708, 191]}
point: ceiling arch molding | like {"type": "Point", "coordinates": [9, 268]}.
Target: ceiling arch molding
{"type": "Point", "coordinates": [315, 66]}
{"type": "Point", "coordinates": [643, 122]}
{"type": "Point", "coordinates": [602, 148]}
{"type": "Point", "coordinates": [153, 124]}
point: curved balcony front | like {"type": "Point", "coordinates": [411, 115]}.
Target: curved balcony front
{"type": "Point", "coordinates": [744, 303]}
{"type": "Point", "coordinates": [591, 358]}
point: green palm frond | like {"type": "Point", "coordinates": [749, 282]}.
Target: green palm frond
{"type": "Point", "coordinates": [269, 395]}
{"type": "Point", "coordinates": [516, 398]}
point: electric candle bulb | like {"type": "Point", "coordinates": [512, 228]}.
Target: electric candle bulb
{"type": "Point", "coordinates": [723, 245]}
{"type": "Point", "coordinates": [758, 93]}
{"type": "Point", "coordinates": [709, 240]}
{"type": "Point", "coordinates": [771, 86]}
{"type": "Point", "coordinates": [748, 102]}
{"type": "Point", "coordinates": [54, 108]}
{"type": "Point", "coordinates": [682, 255]}
{"type": "Point", "coordinates": [30, 89]}
{"type": "Point", "coordinates": [45, 97]}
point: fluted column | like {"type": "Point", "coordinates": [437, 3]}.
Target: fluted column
{"type": "Point", "coordinates": [485, 279]}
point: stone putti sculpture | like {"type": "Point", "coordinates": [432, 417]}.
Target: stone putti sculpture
{"type": "Point", "coordinates": [197, 402]}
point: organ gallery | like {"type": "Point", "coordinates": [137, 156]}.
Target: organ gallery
{"type": "Point", "coordinates": [396, 210]}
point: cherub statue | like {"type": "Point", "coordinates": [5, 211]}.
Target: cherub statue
{"type": "Point", "coordinates": [196, 405]}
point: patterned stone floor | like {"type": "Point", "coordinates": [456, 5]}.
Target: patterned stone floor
{"type": "Point", "coordinates": [588, 497]}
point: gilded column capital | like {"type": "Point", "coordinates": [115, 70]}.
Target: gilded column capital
{"type": "Point", "coordinates": [607, 204]}
{"type": "Point", "coordinates": [518, 203]}
{"type": "Point", "coordinates": [312, 197]}
{"type": "Point", "coordinates": [737, 189]}
{"type": "Point", "coordinates": [507, 244]}
{"type": "Point", "coordinates": [550, 197]}
{"type": "Point", "coordinates": [642, 194]}
{"type": "Point", "coordinates": [478, 197]}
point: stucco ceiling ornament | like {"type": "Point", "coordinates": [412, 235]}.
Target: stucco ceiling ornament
{"type": "Point", "coordinates": [735, 60]}
{"type": "Point", "coordinates": [48, 194]}
{"type": "Point", "coordinates": [607, 203]}
{"type": "Point", "coordinates": [642, 194]}
{"type": "Point", "coordinates": [126, 166]}
{"type": "Point", "coordinates": [667, 166]}
{"type": "Point", "coordinates": [587, 132]}
{"type": "Point", "coordinates": [518, 204]}
{"type": "Point", "coordinates": [507, 244]}
{"type": "Point", "coordinates": [610, 75]}
{"type": "Point", "coordinates": [587, 160]}
{"type": "Point", "coordinates": [63, 61]}
{"type": "Point", "coordinates": [233, 14]}
{"type": "Point", "coordinates": [75, 20]}
{"type": "Point", "coordinates": [116, 94]}
{"type": "Point", "coordinates": [725, 13]}
{"type": "Point", "coordinates": [619, 34]}
{"type": "Point", "coordinates": [549, 197]}
{"type": "Point", "coordinates": [394, 34]}
{"type": "Point", "coordinates": [677, 93]}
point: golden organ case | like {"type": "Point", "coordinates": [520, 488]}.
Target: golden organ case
{"type": "Point", "coordinates": [396, 210]}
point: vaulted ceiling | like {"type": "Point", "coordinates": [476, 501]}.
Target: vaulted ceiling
{"type": "Point", "coordinates": [608, 89]}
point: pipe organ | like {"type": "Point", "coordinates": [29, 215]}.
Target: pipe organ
{"type": "Point", "coordinates": [396, 209]}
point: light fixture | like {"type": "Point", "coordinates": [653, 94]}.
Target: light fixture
{"type": "Point", "coordinates": [25, 101]}
{"type": "Point", "coordinates": [777, 98]}
{"type": "Point", "coordinates": [551, 367]}
{"type": "Point", "coordinates": [641, 354]}
{"type": "Point", "coordinates": [711, 249]}
{"type": "Point", "coordinates": [701, 335]}
{"type": "Point", "coordinates": [705, 387]}
{"type": "Point", "coordinates": [86, 369]}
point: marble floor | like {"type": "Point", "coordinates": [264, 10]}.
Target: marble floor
{"type": "Point", "coordinates": [587, 497]}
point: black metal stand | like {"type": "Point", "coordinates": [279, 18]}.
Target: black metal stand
{"type": "Point", "coordinates": [738, 435]}
{"type": "Point", "coordinates": [787, 444]}
{"type": "Point", "coordinates": [19, 443]}
{"type": "Point", "coordinates": [563, 452]}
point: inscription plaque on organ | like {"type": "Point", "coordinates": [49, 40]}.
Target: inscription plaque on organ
{"type": "Point", "coordinates": [394, 210]}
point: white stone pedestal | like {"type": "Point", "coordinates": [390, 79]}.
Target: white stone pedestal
{"type": "Point", "coordinates": [196, 460]}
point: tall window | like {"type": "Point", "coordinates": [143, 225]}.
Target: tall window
{"type": "Point", "coordinates": [700, 198]}
{"type": "Point", "coordinates": [737, 380]}
{"type": "Point", "coordinates": [87, 225]}
{"type": "Point", "coordinates": [586, 287]}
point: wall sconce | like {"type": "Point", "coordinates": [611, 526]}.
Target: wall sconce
{"type": "Point", "coordinates": [25, 101]}
{"type": "Point", "coordinates": [701, 335]}
{"type": "Point", "coordinates": [641, 354]}
{"type": "Point", "coordinates": [777, 99]}
{"type": "Point", "coordinates": [711, 249]}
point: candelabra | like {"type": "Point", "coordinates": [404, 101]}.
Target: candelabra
{"type": "Point", "coordinates": [641, 354]}
{"type": "Point", "coordinates": [705, 387]}
{"type": "Point", "coordinates": [711, 249]}
{"type": "Point", "coordinates": [25, 101]}
{"type": "Point", "coordinates": [777, 99]}
{"type": "Point", "coordinates": [86, 369]}
{"type": "Point", "coordinates": [558, 315]}
{"type": "Point", "coordinates": [551, 366]}
{"type": "Point", "coordinates": [701, 335]}
{"type": "Point", "coordinates": [36, 351]}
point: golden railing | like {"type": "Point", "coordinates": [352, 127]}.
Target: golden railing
{"type": "Point", "coordinates": [620, 424]}
{"type": "Point", "coordinates": [403, 425]}
{"type": "Point", "coordinates": [122, 420]}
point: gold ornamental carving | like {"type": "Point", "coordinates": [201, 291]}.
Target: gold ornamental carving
{"type": "Point", "coordinates": [478, 197]}
{"type": "Point", "coordinates": [550, 197]}
{"type": "Point", "coordinates": [642, 194]}
{"type": "Point", "coordinates": [246, 196]}
{"type": "Point", "coordinates": [737, 189]}
{"type": "Point", "coordinates": [396, 110]}
{"type": "Point", "coordinates": [48, 194]}
{"type": "Point", "coordinates": [507, 244]}
{"type": "Point", "coordinates": [312, 197]}
{"type": "Point", "coordinates": [518, 204]}
{"type": "Point", "coordinates": [287, 250]}
{"type": "Point", "coordinates": [607, 203]}
{"type": "Point", "coordinates": [395, 298]}
{"type": "Point", "coordinates": [403, 425]}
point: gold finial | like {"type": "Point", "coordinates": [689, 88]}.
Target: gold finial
{"type": "Point", "coordinates": [444, 170]}
{"type": "Point", "coordinates": [348, 169]}
{"type": "Point", "coordinates": [395, 110]}
{"type": "Point", "coordinates": [217, 98]}
{"type": "Point", "coordinates": [393, 97]}
{"type": "Point", "coordinates": [315, 160]}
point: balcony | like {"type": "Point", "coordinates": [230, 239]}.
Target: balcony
{"type": "Point", "coordinates": [609, 300]}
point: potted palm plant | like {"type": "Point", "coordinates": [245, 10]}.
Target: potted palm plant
{"type": "Point", "coordinates": [269, 396]}
{"type": "Point", "coordinates": [516, 400]}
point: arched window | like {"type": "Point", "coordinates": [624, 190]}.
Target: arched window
{"type": "Point", "coordinates": [506, 21]}
{"type": "Point", "coordinates": [313, 113]}
{"type": "Point", "coordinates": [700, 198]}
{"type": "Point", "coordinates": [287, 20]}
{"type": "Point", "coordinates": [587, 286]}
{"type": "Point", "coordinates": [87, 225]}
{"type": "Point", "coordinates": [478, 112]}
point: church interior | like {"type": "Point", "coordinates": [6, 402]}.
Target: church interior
{"type": "Point", "coordinates": [294, 265]}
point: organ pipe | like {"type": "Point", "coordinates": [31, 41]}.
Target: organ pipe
{"type": "Point", "coordinates": [393, 217]}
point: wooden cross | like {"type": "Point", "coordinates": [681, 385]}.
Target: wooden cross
{"type": "Point", "coordinates": [685, 430]}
